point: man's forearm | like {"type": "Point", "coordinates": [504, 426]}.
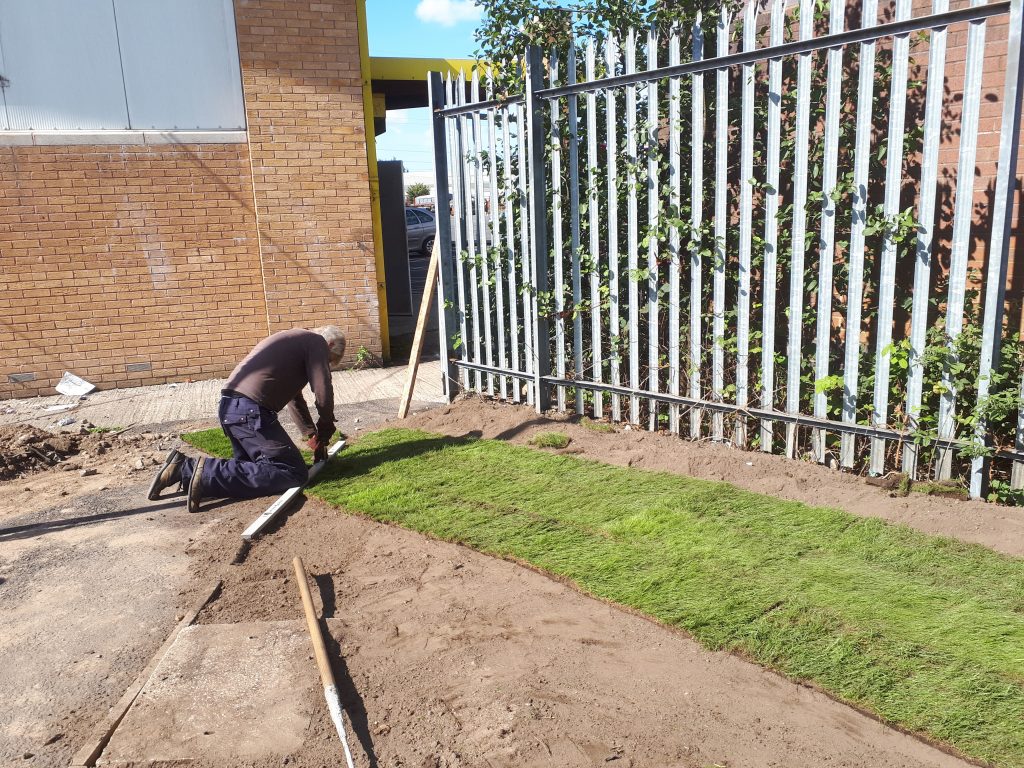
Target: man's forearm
{"type": "Point", "coordinates": [299, 412]}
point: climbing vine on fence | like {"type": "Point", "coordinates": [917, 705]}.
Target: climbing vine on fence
{"type": "Point", "coordinates": [509, 26]}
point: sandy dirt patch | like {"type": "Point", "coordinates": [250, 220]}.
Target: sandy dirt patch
{"type": "Point", "coordinates": [999, 527]}
{"type": "Point", "coordinates": [88, 593]}
{"type": "Point", "coordinates": [447, 658]}
{"type": "Point", "coordinates": [93, 576]}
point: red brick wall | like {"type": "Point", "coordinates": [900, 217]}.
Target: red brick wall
{"type": "Point", "coordinates": [116, 255]}
{"type": "Point", "coordinates": [300, 74]}
{"type": "Point", "coordinates": [986, 160]}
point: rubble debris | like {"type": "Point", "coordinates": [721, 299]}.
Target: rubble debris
{"type": "Point", "coordinates": [64, 407]}
{"type": "Point", "coordinates": [74, 386]}
{"type": "Point", "coordinates": [26, 450]}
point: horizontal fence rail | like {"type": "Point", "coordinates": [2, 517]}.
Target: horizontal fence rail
{"type": "Point", "coordinates": [779, 227]}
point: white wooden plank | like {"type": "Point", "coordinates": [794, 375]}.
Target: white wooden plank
{"type": "Point", "coordinates": [288, 496]}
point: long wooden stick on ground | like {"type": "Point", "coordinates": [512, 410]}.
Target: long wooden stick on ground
{"type": "Point", "coordinates": [320, 651]}
{"type": "Point", "coordinates": [421, 326]}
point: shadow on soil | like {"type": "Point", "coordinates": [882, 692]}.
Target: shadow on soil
{"type": "Point", "coordinates": [31, 530]}
{"type": "Point", "coordinates": [366, 460]}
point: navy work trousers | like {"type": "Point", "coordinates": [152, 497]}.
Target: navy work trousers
{"type": "Point", "coordinates": [266, 461]}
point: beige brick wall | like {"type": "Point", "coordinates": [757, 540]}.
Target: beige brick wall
{"type": "Point", "coordinates": [300, 74]}
{"type": "Point", "coordinates": [111, 256]}
{"type": "Point", "coordinates": [183, 256]}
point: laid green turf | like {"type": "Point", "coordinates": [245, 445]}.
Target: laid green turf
{"type": "Point", "coordinates": [926, 632]}
{"type": "Point", "coordinates": [597, 426]}
{"type": "Point", "coordinates": [550, 440]}
{"type": "Point", "coordinates": [216, 443]}
{"type": "Point", "coordinates": [211, 441]}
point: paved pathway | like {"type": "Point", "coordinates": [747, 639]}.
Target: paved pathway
{"type": "Point", "coordinates": [197, 400]}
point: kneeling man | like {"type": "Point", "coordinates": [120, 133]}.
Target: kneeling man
{"type": "Point", "coordinates": [266, 461]}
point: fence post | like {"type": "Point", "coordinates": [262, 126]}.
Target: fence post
{"type": "Point", "coordinates": [447, 318]}
{"type": "Point", "coordinates": [999, 246]}
{"type": "Point", "coordinates": [538, 225]}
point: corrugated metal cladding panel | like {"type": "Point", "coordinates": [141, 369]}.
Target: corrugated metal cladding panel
{"type": "Point", "coordinates": [61, 60]}
{"type": "Point", "coordinates": [181, 66]}
{"type": "Point", "coordinates": [4, 123]}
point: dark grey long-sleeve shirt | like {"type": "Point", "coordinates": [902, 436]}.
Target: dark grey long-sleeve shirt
{"type": "Point", "coordinates": [278, 368]}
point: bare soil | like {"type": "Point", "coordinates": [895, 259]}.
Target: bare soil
{"type": "Point", "coordinates": [447, 658]}
{"type": "Point", "coordinates": [998, 527]}
{"type": "Point", "coordinates": [40, 469]}
{"type": "Point", "coordinates": [93, 576]}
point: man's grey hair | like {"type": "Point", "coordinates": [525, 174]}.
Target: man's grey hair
{"type": "Point", "coordinates": [334, 337]}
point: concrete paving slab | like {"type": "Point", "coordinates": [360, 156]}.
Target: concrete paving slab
{"type": "Point", "coordinates": [222, 692]}
{"type": "Point", "coordinates": [197, 400]}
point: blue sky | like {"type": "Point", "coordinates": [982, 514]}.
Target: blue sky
{"type": "Point", "coordinates": [428, 28]}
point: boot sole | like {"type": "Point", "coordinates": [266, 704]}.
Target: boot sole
{"type": "Point", "coordinates": [154, 492]}
{"type": "Point", "coordinates": [193, 500]}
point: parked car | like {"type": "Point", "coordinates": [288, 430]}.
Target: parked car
{"type": "Point", "coordinates": [420, 229]}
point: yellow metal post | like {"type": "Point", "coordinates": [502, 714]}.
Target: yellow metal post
{"type": "Point", "coordinates": [366, 75]}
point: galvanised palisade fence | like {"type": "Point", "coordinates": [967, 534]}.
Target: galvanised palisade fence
{"type": "Point", "coordinates": [755, 242]}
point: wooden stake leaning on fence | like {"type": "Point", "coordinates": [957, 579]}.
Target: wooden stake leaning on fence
{"type": "Point", "coordinates": [320, 651]}
{"type": "Point", "coordinates": [421, 324]}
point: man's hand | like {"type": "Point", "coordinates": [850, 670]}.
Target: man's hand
{"type": "Point", "coordinates": [318, 447]}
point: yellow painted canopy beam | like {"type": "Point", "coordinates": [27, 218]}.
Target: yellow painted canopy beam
{"type": "Point", "coordinates": [404, 69]}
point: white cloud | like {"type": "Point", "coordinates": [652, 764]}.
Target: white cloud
{"type": "Point", "coordinates": [397, 117]}
{"type": "Point", "coordinates": [448, 13]}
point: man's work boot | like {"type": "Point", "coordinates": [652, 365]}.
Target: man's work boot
{"type": "Point", "coordinates": [195, 490]}
{"type": "Point", "coordinates": [169, 474]}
